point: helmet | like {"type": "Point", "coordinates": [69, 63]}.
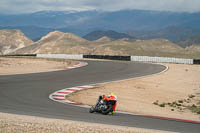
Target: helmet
{"type": "Point", "coordinates": [112, 94]}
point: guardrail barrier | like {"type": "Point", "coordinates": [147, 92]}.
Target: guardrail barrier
{"type": "Point", "coordinates": [61, 56]}
{"type": "Point", "coordinates": [122, 58]}
{"type": "Point", "coordinates": [162, 59]}
{"type": "Point", "coordinates": [108, 57]}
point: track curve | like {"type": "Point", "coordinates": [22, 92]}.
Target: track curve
{"type": "Point", "coordinates": [27, 94]}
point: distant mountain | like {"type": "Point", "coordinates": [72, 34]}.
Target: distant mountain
{"type": "Point", "coordinates": [95, 35]}
{"type": "Point", "coordinates": [172, 33]}
{"type": "Point", "coordinates": [195, 40]}
{"type": "Point", "coordinates": [11, 40]}
{"type": "Point", "coordinates": [84, 22]}
{"type": "Point", "coordinates": [117, 20]}
{"type": "Point", "coordinates": [49, 19]}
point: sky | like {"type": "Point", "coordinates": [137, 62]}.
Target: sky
{"type": "Point", "coordinates": [29, 6]}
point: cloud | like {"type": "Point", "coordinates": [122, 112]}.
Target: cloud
{"type": "Point", "coordinates": [161, 5]}
{"type": "Point", "coordinates": [27, 6]}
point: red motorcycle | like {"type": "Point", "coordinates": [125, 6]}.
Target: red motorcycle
{"type": "Point", "coordinates": [103, 105]}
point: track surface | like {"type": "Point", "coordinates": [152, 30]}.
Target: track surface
{"type": "Point", "coordinates": [28, 95]}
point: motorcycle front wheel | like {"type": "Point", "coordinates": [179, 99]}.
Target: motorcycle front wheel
{"type": "Point", "coordinates": [91, 109]}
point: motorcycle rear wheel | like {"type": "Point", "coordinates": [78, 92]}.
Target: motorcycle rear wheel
{"type": "Point", "coordinates": [108, 110]}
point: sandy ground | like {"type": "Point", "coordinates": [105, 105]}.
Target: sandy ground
{"type": "Point", "coordinates": [10, 123]}
{"type": "Point", "coordinates": [138, 95]}
{"type": "Point", "coordinates": [10, 66]}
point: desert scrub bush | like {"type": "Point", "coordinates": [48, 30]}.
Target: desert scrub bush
{"type": "Point", "coordinates": [156, 102]}
{"type": "Point", "coordinates": [191, 96]}
{"type": "Point", "coordinates": [187, 100]}
{"type": "Point", "coordinates": [179, 108]}
{"type": "Point", "coordinates": [194, 108]}
{"type": "Point", "coordinates": [162, 105]}
{"type": "Point", "coordinates": [181, 105]}
{"type": "Point", "coordinates": [169, 104]}
{"type": "Point", "coordinates": [180, 101]}
{"type": "Point", "coordinates": [174, 105]}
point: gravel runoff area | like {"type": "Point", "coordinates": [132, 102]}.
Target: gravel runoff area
{"type": "Point", "coordinates": [174, 93]}
{"type": "Point", "coordinates": [10, 123]}
{"type": "Point", "coordinates": [21, 65]}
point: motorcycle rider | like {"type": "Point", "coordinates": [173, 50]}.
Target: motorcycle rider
{"type": "Point", "coordinates": [113, 97]}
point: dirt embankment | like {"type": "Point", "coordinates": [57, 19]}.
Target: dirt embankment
{"type": "Point", "coordinates": [9, 66]}
{"type": "Point", "coordinates": [175, 93]}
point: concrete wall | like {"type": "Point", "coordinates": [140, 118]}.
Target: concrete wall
{"type": "Point", "coordinates": [60, 56]}
{"type": "Point", "coordinates": [162, 59]}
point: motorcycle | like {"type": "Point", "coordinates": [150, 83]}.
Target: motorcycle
{"type": "Point", "coordinates": [102, 106]}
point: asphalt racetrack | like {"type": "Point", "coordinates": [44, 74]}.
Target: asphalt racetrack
{"type": "Point", "coordinates": [28, 94]}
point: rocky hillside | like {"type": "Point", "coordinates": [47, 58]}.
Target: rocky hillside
{"type": "Point", "coordinates": [104, 39]}
{"type": "Point", "coordinates": [58, 42]}
{"type": "Point", "coordinates": [190, 41]}
{"type": "Point", "coordinates": [95, 35]}
{"type": "Point", "coordinates": [67, 43]}
{"type": "Point", "coordinates": [11, 40]}
{"type": "Point", "coordinates": [154, 47]}
{"type": "Point", "coordinates": [193, 49]}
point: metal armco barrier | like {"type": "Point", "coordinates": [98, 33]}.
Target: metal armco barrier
{"type": "Point", "coordinates": [122, 58]}
{"type": "Point", "coordinates": [162, 59]}
{"type": "Point", "coordinates": [108, 57]}
{"type": "Point", "coordinates": [196, 61]}
{"type": "Point", "coordinates": [20, 55]}
{"type": "Point", "coordinates": [60, 56]}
